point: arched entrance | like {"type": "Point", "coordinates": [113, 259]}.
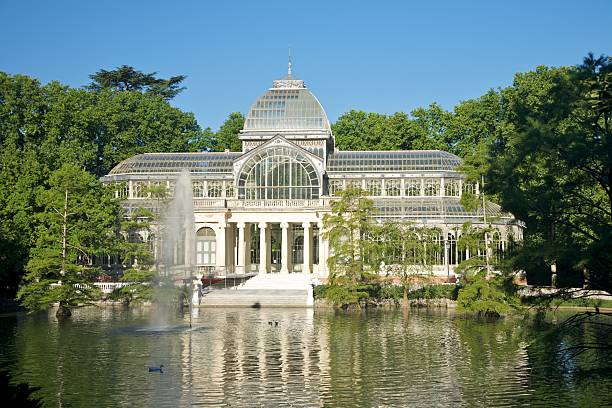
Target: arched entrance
{"type": "Point", "coordinates": [279, 172]}
{"type": "Point", "coordinates": [206, 247]}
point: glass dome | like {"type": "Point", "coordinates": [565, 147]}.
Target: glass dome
{"type": "Point", "coordinates": [288, 105]}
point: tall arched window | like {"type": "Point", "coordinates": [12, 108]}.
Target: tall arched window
{"type": "Point", "coordinates": [198, 189]}
{"type": "Point", "coordinates": [206, 246]}
{"type": "Point", "coordinates": [278, 173]}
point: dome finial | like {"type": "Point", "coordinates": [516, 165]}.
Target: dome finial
{"type": "Point", "coordinates": [289, 64]}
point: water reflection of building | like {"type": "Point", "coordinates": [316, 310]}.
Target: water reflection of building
{"type": "Point", "coordinates": [261, 210]}
{"type": "Point", "coordinates": [241, 359]}
{"type": "Point", "coordinates": [324, 358]}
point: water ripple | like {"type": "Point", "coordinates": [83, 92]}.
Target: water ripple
{"type": "Point", "coordinates": [270, 358]}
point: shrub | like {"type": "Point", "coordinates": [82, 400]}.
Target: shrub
{"type": "Point", "coordinates": [487, 297]}
{"type": "Point", "coordinates": [438, 291]}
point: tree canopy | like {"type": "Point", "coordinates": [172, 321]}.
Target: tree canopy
{"type": "Point", "coordinates": [45, 126]}
{"type": "Point", "coordinates": [552, 168]}
{"type": "Point", "coordinates": [77, 222]}
{"type": "Point", "coordinates": [226, 138]}
{"type": "Point", "coordinates": [542, 144]}
{"type": "Point", "coordinates": [126, 78]}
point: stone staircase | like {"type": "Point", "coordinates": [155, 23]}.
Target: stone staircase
{"type": "Point", "coordinates": [266, 290]}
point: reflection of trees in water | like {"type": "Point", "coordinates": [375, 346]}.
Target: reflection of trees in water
{"type": "Point", "coordinates": [464, 361]}
{"type": "Point", "coordinates": [373, 358]}
{"type": "Point", "coordinates": [90, 358]}
{"type": "Point", "coordinates": [574, 379]}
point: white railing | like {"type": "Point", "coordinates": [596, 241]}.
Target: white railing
{"type": "Point", "coordinates": [295, 203]}
{"type": "Point", "coordinates": [529, 291]}
{"type": "Point", "coordinates": [105, 287]}
{"type": "Point", "coordinates": [207, 203]}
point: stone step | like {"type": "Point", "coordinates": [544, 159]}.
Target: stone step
{"type": "Point", "coordinates": [255, 298]}
{"type": "Point", "coordinates": [290, 281]}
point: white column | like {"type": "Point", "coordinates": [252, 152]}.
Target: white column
{"type": "Point", "coordinates": [241, 264]}
{"type": "Point", "coordinates": [247, 247]}
{"type": "Point", "coordinates": [263, 248]}
{"type": "Point", "coordinates": [307, 243]}
{"type": "Point", "coordinates": [285, 248]}
{"type": "Point", "coordinates": [442, 187]}
{"type": "Point", "coordinates": [221, 242]}
{"type": "Point", "coordinates": [322, 259]}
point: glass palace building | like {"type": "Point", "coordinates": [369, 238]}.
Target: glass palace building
{"type": "Point", "coordinates": [261, 210]}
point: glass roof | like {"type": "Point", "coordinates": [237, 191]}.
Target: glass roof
{"type": "Point", "coordinates": [400, 160]}
{"type": "Point", "coordinates": [435, 208]}
{"type": "Point", "coordinates": [206, 162]}
{"type": "Point", "coordinates": [287, 106]}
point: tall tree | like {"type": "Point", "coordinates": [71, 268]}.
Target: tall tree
{"type": "Point", "coordinates": [44, 126]}
{"type": "Point", "coordinates": [359, 130]}
{"type": "Point", "coordinates": [474, 123]}
{"type": "Point", "coordinates": [126, 78]}
{"type": "Point", "coordinates": [348, 229]}
{"type": "Point", "coordinates": [406, 251]}
{"type": "Point", "coordinates": [431, 124]}
{"type": "Point", "coordinates": [552, 169]}
{"type": "Point", "coordinates": [77, 222]}
{"type": "Point", "coordinates": [227, 137]}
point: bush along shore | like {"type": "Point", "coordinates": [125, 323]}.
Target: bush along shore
{"type": "Point", "coordinates": [385, 295]}
{"type": "Point", "coordinates": [487, 298]}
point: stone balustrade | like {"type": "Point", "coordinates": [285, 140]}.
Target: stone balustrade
{"type": "Point", "coordinates": [280, 203]}
{"type": "Point", "coordinates": [105, 287]}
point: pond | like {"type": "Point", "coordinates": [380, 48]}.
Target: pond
{"type": "Point", "coordinates": [298, 357]}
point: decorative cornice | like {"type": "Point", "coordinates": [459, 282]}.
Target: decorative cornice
{"type": "Point", "coordinates": [288, 84]}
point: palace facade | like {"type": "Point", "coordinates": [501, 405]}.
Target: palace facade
{"type": "Point", "coordinates": [261, 210]}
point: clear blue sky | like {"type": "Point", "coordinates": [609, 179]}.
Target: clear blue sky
{"type": "Point", "coordinates": [381, 56]}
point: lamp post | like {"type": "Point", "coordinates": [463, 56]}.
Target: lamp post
{"type": "Point", "coordinates": [446, 258]}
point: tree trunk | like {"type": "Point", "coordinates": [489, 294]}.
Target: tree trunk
{"type": "Point", "coordinates": [63, 312]}
{"type": "Point", "coordinates": [405, 299]}
{"type": "Point", "coordinates": [64, 233]}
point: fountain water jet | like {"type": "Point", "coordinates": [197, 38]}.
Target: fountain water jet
{"type": "Point", "coordinates": [178, 252]}
{"type": "Point", "coordinates": [178, 234]}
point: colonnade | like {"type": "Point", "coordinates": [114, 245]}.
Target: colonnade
{"type": "Point", "coordinates": [275, 248]}
{"type": "Point", "coordinates": [234, 241]}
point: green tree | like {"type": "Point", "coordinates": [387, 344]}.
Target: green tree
{"type": "Point", "coordinates": [405, 250]}
{"type": "Point", "coordinates": [551, 168]}
{"type": "Point", "coordinates": [126, 78]}
{"type": "Point", "coordinates": [77, 222]}
{"type": "Point", "coordinates": [474, 124]}
{"type": "Point", "coordinates": [348, 228]}
{"type": "Point", "coordinates": [487, 296]}
{"type": "Point", "coordinates": [227, 138]}
{"type": "Point", "coordinates": [430, 127]}
{"type": "Point", "coordinates": [44, 126]}
{"type": "Point", "coordinates": [359, 130]}
{"type": "Point", "coordinates": [124, 124]}
{"type": "Point", "coordinates": [137, 257]}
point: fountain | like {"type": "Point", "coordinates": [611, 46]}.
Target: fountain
{"type": "Point", "coordinates": [178, 247]}
{"type": "Point", "coordinates": [178, 234]}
